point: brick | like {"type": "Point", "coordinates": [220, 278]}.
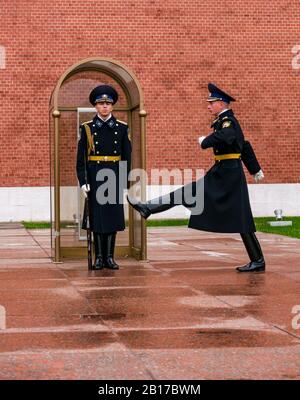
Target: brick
{"type": "Point", "coordinates": [174, 48]}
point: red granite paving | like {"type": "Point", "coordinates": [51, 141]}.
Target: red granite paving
{"type": "Point", "coordinates": [112, 361]}
{"type": "Point", "coordinates": [184, 314]}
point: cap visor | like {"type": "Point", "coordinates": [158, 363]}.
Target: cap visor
{"type": "Point", "coordinates": [104, 101]}
{"type": "Point", "coordinates": [213, 99]}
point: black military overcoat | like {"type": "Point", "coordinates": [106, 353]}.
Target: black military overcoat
{"type": "Point", "coordinates": [226, 199]}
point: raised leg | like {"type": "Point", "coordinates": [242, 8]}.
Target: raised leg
{"type": "Point", "coordinates": [186, 196]}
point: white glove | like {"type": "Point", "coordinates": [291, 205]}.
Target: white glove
{"type": "Point", "coordinates": [85, 189]}
{"type": "Point", "coordinates": [259, 176]}
{"type": "Point", "coordinates": [200, 139]}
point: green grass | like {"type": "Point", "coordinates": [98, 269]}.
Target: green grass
{"type": "Point", "coordinates": [167, 222]}
{"type": "Point", "coordinates": [261, 225]}
{"type": "Point", "coordinates": [36, 225]}
{"type": "Point", "coordinates": [45, 225]}
{"type": "Point", "coordinates": [292, 231]}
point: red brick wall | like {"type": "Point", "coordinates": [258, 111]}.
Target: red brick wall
{"type": "Point", "coordinates": [174, 48]}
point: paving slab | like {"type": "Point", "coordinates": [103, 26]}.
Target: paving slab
{"type": "Point", "coordinates": [183, 314]}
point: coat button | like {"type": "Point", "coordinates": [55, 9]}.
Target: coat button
{"type": "Point", "coordinates": [98, 162]}
{"type": "Point", "coordinates": [95, 133]}
{"type": "Point", "coordinates": [97, 152]}
{"type": "Point", "coordinates": [96, 142]}
{"type": "Point", "coordinates": [116, 133]}
{"type": "Point", "coordinates": [117, 124]}
{"type": "Point", "coordinates": [115, 151]}
{"type": "Point", "coordinates": [116, 141]}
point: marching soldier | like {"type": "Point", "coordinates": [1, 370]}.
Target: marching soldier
{"type": "Point", "coordinates": [226, 206]}
{"type": "Point", "coordinates": [103, 146]}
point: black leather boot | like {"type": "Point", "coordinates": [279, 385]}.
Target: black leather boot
{"type": "Point", "coordinates": [257, 263]}
{"type": "Point", "coordinates": [99, 253]}
{"type": "Point", "coordinates": [110, 249]}
{"type": "Point", "coordinates": [185, 195]}
{"type": "Point", "coordinates": [155, 206]}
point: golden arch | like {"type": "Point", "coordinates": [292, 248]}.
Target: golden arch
{"type": "Point", "coordinates": [135, 104]}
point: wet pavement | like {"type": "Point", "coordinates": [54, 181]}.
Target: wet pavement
{"type": "Point", "coordinates": [184, 314]}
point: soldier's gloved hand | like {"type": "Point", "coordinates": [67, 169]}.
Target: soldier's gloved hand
{"type": "Point", "coordinates": [259, 176]}
{"type": "Point", "coordinates": [200, 139]}
{"type": "Point", "coordinates": [85, 189]}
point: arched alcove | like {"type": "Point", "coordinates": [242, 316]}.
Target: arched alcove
{"type": "Point", "coordinates": [69, 107]}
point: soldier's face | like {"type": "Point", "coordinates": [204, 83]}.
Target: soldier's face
{"type": "Point", "coordinates": [104, 109]}
{"type": "Point", "coordinates": [215, 107]}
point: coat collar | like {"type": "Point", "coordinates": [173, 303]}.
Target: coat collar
{"type": "Point", "coordinates": [227, 113]}
{"type": "Point", "coordinates": [111, 122]}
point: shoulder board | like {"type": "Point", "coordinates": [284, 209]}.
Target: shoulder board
{"type": "Point", "coordinates": [122, 122]}
{"type": "Point", "coordinates": [87, 122]}
{"type": "Point", "coordinates": [231, 118]}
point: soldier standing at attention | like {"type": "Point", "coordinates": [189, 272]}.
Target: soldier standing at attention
{"type": "Point", "coordinates": [103, 144]}
{"type": "Point", "coordinates": [226, 205]}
